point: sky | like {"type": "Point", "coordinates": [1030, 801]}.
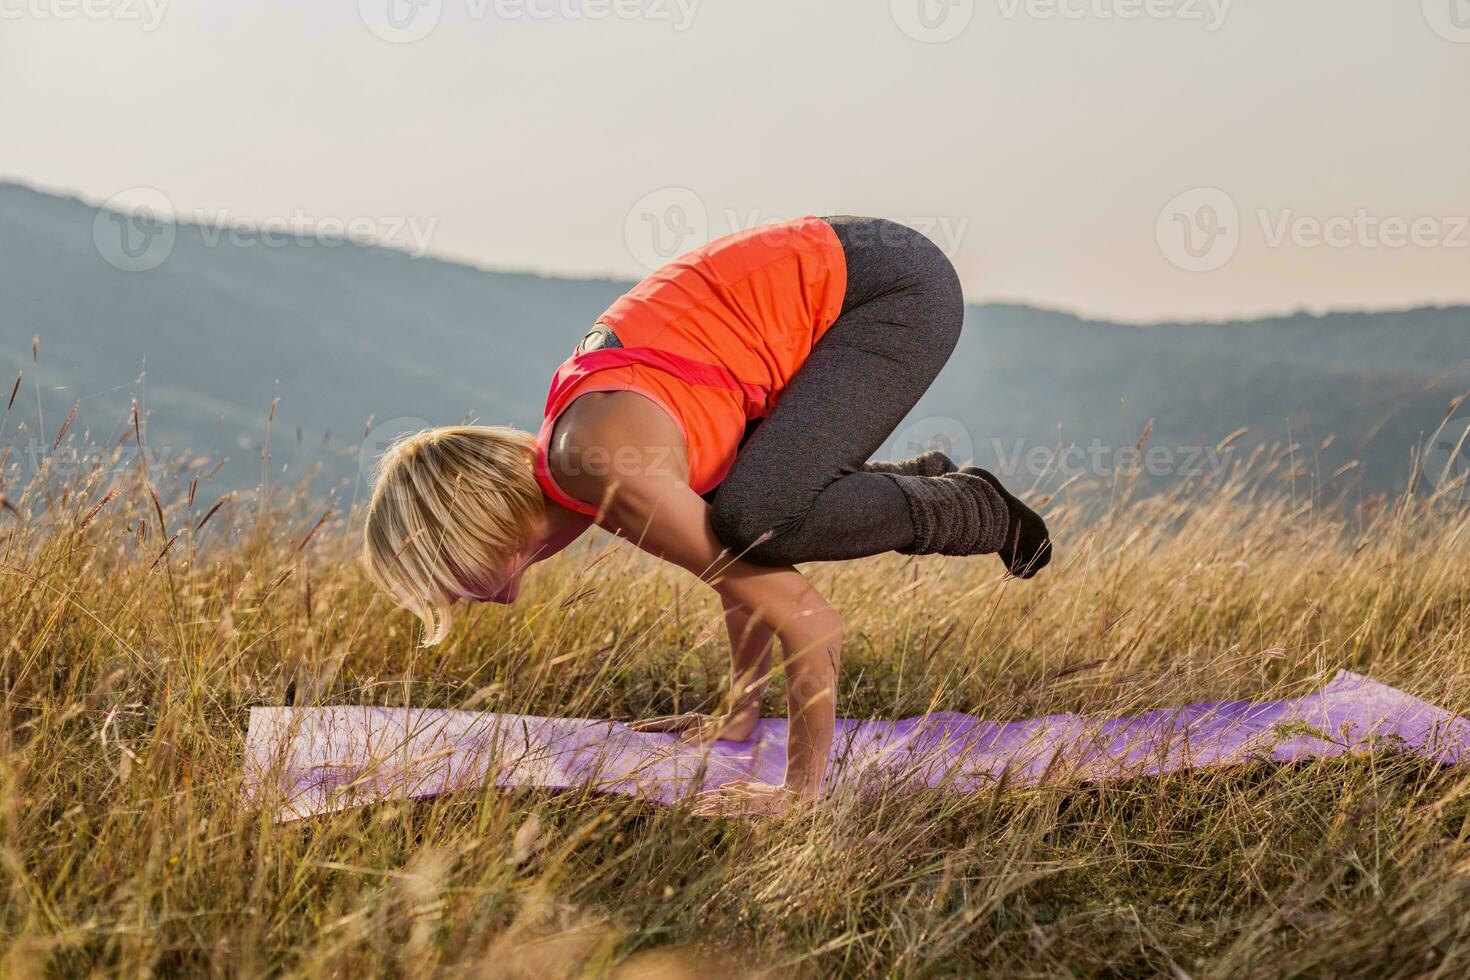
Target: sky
{"type": "Point", "coordinates": [1131, 159]}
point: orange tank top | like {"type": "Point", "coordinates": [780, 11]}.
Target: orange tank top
{"type": "Point", "coordinates": [713, 338]}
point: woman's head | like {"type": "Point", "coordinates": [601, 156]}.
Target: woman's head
{"type": "Point", "coordinates": [451, 512]}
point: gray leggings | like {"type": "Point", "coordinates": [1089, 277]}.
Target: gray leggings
{"type": "Point", "coordinates": [798, 491]}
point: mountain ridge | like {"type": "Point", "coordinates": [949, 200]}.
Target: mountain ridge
{"type": "Point", "coordinates": [360, 331]}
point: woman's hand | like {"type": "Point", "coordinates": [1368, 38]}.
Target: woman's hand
{"type": "Point", "coordinates": [701, 729]}
{"type": "Point", "coordinates": [743, 798]}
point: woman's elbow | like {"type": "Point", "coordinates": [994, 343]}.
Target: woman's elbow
{"type": "Point", "coordinates": [816, 630]}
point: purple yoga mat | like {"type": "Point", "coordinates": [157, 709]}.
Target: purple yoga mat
{"type": "Point", "coordinates": [306, 761]}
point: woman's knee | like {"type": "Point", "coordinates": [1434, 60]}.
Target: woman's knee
{"type": "Point", "coordinates": [748, 534]}
{"type": "Point", "coordinates": [732, 526]}
{"type": "Point", "coordinates": [933, 297]}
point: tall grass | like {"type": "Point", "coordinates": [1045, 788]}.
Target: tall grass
{"type": "Point", "coordinates": [142, 615]}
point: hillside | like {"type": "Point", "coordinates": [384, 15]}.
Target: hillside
{"type": "Point", "coordinates": [340, 335]}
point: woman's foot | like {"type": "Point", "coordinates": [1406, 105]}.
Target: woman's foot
{"type": "Point", "coordinates": [953, 514]}
{"type": "Point", "coordinates": [957, 511]}
{"type": "Point", "coordinates": [1027, 548]}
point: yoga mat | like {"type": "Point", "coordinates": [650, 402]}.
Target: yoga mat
{"type": "Point", "coordinates": [307, 761]}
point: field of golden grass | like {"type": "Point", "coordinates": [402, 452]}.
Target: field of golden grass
{"type": "Point", "coordinates": [136, 639]}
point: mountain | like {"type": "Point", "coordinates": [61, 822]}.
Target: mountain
{"type": "Point", "coordinates": [342, 332]}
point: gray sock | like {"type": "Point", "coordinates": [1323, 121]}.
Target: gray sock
{"type": "Point", "coordinates": [954, 514]}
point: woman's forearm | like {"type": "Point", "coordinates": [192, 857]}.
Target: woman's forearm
{"type": "Point", "coordinates": [750, 662]}
{"type": "Point", "coordinates": [809, 629]}
{"type": "Point", "coordinates": [810, 632]}
{"type": "Point", "coordinates": [811, 645]}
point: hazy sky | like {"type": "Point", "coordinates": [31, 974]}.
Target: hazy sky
{"type": "Point", "coordinates": [1131, 158]}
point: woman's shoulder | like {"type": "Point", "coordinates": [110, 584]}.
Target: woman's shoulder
{"type": "Point", "coordinates": [605, 437]}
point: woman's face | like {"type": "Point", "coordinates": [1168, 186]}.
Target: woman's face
{"type": "Point", "coordinates": [510, 589]}
{"type": "Point", "coordinates": [510, 584]}
{"type": "Point", "coordinates": [543, 543]}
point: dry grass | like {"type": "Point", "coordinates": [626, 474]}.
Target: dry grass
{"type": "Point", "coordinates": [126, 679]}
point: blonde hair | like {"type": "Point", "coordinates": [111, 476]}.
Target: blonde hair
{"type": "Point", "coordinates": [450, 508]}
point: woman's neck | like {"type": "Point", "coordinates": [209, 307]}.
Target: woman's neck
{"type": "Point", "coordinates": [558, 527]}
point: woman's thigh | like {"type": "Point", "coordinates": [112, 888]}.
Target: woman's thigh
{"type": "Point", "coordinates": [899, 323]}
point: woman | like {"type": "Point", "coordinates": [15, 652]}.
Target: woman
{"type": "Point", "coordinates": [721, 415]}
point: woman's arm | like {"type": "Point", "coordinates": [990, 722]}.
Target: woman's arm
{"type": "Point", "coordinates": [750, 663]}
{"type": "Point", "coordinates": [750, 668]}
{"type": "Point", "coordinates": [672, 522]}
{"type": "Point", "coordinates": [648, 501]}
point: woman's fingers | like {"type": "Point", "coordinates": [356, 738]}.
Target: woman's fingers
{"type": "Point", "coordinates": [734, 786]}
{"type": "Point", "coordinates": [740, 797]}
{"type": "Point", "coordinates": [710, 800]}
{"type": "Point", "coordinates": [666, 723]}
{"type": "Point", "coordinates": [707, 730]}
{"type": "Point", "coordinates": [718, 803]}
{"type": "Point", "coordinates": [697, 728]}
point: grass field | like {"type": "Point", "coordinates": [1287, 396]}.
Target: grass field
{"type": "Point", "coordinates": [135, 641]}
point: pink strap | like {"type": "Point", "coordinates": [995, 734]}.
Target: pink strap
{"type": "Point", "coordinates": [756, 397]}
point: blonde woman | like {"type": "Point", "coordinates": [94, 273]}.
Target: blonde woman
{"type": "Point", "coordinates": [720, 415]}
